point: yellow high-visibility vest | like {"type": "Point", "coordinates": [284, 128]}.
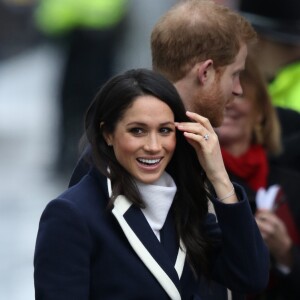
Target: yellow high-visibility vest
{"type": "Point", "coordinates": [285, 89]}
{"type": "Point", "coordinates": [55, 17]}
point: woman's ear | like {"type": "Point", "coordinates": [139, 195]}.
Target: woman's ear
{"type": "Point", "coordinates": [107, 137]}
{"type": "Point", "coordinates": [205, 71]}
{"type": "Point", "coordinates": [108, 140]}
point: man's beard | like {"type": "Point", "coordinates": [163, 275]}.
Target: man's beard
{"type": "Point", "coordinates": [213, 109]}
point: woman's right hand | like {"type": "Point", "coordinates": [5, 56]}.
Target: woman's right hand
{"type": "Point", "coordinates": [201, 135]}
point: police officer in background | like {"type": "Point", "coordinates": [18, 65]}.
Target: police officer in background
{"type": "Point", "coordinates": [88, 30]}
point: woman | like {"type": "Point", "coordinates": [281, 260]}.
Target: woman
{"type": "Point", "coordinates": [137, 225]}
{"type": "Point", "coordinates": [249, 138]}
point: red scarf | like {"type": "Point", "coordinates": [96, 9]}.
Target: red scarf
{"type": "Point", "coordinates": [251, 166]}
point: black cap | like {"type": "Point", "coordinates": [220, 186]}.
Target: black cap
{"type": "Point", "coordinates": [276, 19]}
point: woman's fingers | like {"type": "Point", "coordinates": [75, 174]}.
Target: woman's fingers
{"type": "Point", "coordinates": [200, 130]}
{"type": "Point", "coordinates": [201, 135]}
{"type": "Point", "coordinates": [200, 120]}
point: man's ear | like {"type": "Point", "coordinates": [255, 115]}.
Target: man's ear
{"type": "Point", "coordinates": [205, 71]}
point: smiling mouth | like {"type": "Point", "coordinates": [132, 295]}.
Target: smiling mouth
{"type": "Point", "coordinates": [149, 162]}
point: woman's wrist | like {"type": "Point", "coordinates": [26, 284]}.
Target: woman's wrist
{"type": "Point", "coordinates": [225, 191]}
{"type": "Point", "coordinates": [231, 193]}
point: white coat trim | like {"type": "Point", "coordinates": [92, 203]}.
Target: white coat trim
{"type": "Point", "coordinates": [121, 205]}
{"type": "Point", "coordinates": [180, 259]}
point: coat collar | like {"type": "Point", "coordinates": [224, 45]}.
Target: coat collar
{"type": "Point", "coordinates": [163, 261]}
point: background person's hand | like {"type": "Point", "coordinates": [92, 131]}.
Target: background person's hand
{"type": "Point", "coordinates": [275, 235]}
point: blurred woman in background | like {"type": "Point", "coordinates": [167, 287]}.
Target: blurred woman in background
{"type": "Point", "coordinates": [249, 137]}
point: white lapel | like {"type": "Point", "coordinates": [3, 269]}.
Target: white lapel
{"type": "Point", "coordinates": [180, 259]}
{"type": "Point", "coordinates": [121, 205]}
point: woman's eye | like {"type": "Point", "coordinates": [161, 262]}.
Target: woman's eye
{"type": "Point", "coordinates": [236, 74]}
{"type": "Point", "coordinates": [166, 130]}
{"type": "Point", "coordinates": [136, 131]}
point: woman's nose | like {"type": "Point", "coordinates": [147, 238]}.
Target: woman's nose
{"type": "Point", "coordinates": [237, 88]}
{"type": "Point", "coordinates": [152, 143]}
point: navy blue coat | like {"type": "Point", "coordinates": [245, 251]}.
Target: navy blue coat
{"type": "Point", "coordinates": [84, 251]}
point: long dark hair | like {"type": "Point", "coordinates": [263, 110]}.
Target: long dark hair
{"type": "Point", "coordinates": [191, 200]}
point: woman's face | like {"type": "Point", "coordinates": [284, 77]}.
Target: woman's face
{"type": "Point", "coordinates": [241, 117]}
{"type": "Point", "coordinates": [145, 138]}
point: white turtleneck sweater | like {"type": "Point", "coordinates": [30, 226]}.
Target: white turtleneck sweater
{"type": "Point", "coordinates": [158, 198]}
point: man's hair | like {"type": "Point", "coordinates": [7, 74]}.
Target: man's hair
{"type": "Point", "coordinates": [195, 30]}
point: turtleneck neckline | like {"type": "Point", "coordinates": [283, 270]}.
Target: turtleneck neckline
{"type": "Point", "coordinates": [158, 198]}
